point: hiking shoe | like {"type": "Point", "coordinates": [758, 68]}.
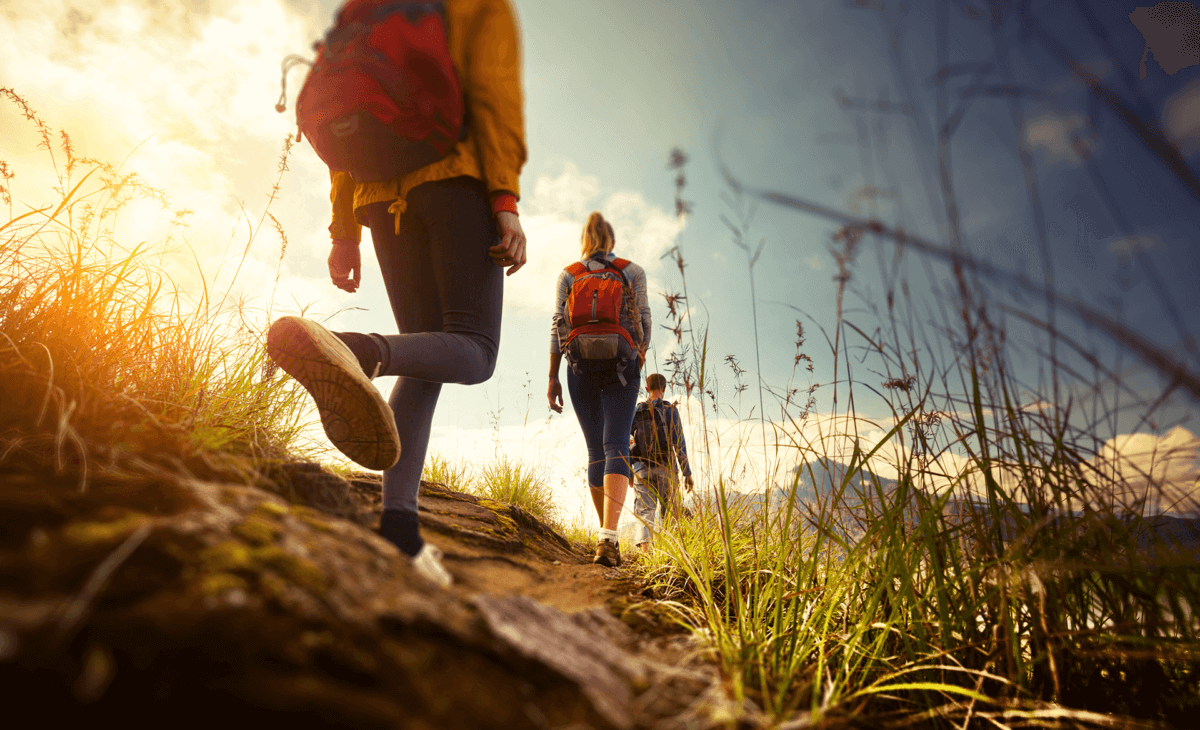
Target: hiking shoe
{"type": "Point", "coordinates": [356, 418]}
{"type": "Point", "coordinates": [428, 562]}
{"type": "Point", "coordinates": [608, 554]}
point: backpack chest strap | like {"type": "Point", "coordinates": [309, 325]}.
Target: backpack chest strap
{"type": "Point", "coordinates": [579, 268]}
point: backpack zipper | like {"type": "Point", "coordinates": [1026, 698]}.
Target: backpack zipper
{"type": "Point", "coordinates": [595, 297]}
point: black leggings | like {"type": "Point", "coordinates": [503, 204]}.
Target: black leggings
{"type": "Point", "coordinates": [446, 294]}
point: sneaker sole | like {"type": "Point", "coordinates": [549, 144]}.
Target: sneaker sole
{"type": "Point", "coordinates": [356, 418]}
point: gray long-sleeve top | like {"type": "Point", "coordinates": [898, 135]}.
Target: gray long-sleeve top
{"type": "Point", "coordinates": [560, 325]}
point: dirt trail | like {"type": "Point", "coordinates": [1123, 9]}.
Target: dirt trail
{"type": "Point", "coordinates": [499, 550]}
{"type": "Point", "coordinates": [162, 599]}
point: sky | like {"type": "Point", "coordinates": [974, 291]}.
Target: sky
{"type": "Point", "coordinates": [818, 99]}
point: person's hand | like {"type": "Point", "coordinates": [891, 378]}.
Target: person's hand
{"type": "Point", "coordinates": [689, 483]}
{"type": "Point", "coordinates": [510, 251]}
{"type": "Point", "coordinates": [345, 265]}
{"type": "Point", "coordinates": [554, 394]}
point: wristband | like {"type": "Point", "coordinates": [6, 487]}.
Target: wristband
{"type": "Point", "coordinates": [505, 202]}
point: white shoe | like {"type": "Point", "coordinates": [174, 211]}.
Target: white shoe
{"type": "Point", "coordinates": [428, 562]}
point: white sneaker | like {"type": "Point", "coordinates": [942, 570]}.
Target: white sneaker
{"type": "Point", "coordinates": [428, 562]}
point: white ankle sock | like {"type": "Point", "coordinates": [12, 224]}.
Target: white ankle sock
{"type": "Point", "coordinates": [610, 535]}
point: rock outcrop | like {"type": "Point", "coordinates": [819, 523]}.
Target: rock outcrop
{"type": "Point", "coordinates": [195, 603]}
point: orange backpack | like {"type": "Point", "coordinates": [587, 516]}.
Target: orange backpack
{"type": "Point", "coordinates": [597, 340]}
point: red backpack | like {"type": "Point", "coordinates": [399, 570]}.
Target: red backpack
{"type": "Point", "coordinates": [597, 340]}
{"type": "Point", "coordinates": [382, 98]}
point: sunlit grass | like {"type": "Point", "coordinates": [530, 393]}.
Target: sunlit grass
{"type": "Point", "coordinates": [103, 360]}
{"type": "Point", "coordinates": [453, 474]}
{"type": "Point", "coordinates": [513, 481]}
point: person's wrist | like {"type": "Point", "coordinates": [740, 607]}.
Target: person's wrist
{"type": "Point", "coordinates": [345, 242]}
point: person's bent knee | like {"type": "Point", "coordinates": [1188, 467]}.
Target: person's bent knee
{"type": "Point", "coordinates": [481, 371]}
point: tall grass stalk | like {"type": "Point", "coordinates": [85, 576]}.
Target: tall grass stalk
{"type": "Point", "coordinates": [103, 359]}
{"type": "Point", "coordinates": [1006, 570]}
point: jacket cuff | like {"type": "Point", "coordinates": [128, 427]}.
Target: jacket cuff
{"type": "Point", "coordinates": [342, 231]}
{"type": "Point", "coordinates": [504, 201]}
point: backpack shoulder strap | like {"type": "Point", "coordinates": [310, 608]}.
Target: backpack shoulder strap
{"type": "Point", "coordinates": [619, 264]}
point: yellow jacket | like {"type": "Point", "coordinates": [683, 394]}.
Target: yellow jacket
{"type": "Point", "coordinates": [487, 55]}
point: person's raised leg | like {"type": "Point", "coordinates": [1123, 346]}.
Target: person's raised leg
{"type": "Point", "coordinates": [457, 229]}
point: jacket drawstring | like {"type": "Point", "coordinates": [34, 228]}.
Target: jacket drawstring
{"type": "Point", "coordinates": [397, 209]}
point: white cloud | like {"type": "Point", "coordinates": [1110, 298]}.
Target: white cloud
{"type": "Point", "coordinates": [1162, 471]}
{"type": "Point", "coordinates": [188, 96]}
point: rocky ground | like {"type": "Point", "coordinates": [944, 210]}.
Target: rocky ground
{"type": "Point", "coordinates": [169, 600]}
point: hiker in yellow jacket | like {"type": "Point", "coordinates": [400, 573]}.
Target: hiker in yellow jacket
{"type": "Point", "coordinates": [442, 235]}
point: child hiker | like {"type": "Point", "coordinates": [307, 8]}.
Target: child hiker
{"type": "Point", "coordinates": [658, 447]}
{"type": "Point", "coordinates": [601, 324]}
{"type": "Point", "coordinates": [442, 233]}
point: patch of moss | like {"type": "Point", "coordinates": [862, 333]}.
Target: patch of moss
{"type": "Point", "coordinates": [89, 532]}
{"type": "Point", "coordinates": [257, 530]}
{"type": "Point", "coordinates": [272, 509]}
{"type": "Point", "coordinates": [500, 509]}
{"type": "Point", "coordinates": [316, 523]}
{"type": "Point", "coordinates": [226, 557]}
{"type": "Point", "coordinates": [297, 570]}
{"type": "Point", "coordinates": [216, 584]}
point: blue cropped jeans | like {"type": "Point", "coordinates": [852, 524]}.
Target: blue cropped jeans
{"type": "Point", "coordinates": [605, 411]}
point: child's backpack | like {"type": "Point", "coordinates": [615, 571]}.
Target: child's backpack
{"type": "Point", "coordinates": [651, 442]}
{"type": "Point", "coordinates": [382, 98]}
{"type": "Point", "coordinates": [597, 340]}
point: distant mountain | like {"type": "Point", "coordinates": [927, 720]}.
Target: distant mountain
{"type": "Point", "coordinates": [816, 481]}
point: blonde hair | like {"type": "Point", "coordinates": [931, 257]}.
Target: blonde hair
{"type": "Point", "coordinates": [597, 235]}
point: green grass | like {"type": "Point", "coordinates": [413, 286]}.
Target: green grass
{"type": "Point", "coordinates": [103, 360]}
{"type": "Point", "coordinates": [457, 475]}
{"type": "Point", "coordinates": [994, 583]}
{"type": "Point", "coordinates": [512, 481]}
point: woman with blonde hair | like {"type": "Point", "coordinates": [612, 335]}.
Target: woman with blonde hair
{"type": "Point", "coordinates": [601, 324]}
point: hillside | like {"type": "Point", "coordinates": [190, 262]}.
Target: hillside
{"type": "Point", "coordinates": [185, 602]}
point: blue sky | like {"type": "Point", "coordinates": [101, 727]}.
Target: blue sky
{"type": "Point", "coordinates": [610, 89]}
